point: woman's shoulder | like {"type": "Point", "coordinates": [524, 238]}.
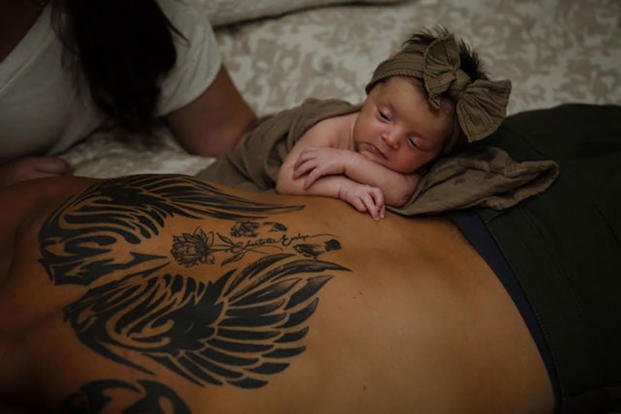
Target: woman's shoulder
{"type": "Point", "coordinates": [198, 58]}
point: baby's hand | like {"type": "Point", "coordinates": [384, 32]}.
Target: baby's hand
{"type": "Point", "coordinates": [317, 162]}
{"type": "Point", "coordinates": [364, 198]}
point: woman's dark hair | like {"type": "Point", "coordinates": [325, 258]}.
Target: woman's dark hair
{"type": "Point", "coordinates": [124, 48]}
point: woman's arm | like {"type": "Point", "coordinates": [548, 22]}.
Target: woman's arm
{"type": "Point", "coordinates": [215, 121]}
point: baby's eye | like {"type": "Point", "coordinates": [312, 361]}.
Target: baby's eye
{"type": "Point", "coordinates": [383, 115]}
{"type": "Point", "coordinates": [413, 142]}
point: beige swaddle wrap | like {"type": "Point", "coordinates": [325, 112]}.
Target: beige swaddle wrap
{"type": "Point", "coordinates": [254, 163]}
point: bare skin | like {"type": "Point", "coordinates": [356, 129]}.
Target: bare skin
{"type": "Point", "coordinates": [397, 326]}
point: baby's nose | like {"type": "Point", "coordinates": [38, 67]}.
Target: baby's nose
{"type": "Point", "coordinates": [391, 139]}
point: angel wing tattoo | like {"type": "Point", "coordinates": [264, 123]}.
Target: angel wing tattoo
{"type": "Point", "coordinates": [236, 330]}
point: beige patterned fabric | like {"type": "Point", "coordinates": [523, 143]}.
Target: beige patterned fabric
{"type": "Point", "coordinates": [553, 51]}
{"type": "Point", "coordinates": [222, 12]}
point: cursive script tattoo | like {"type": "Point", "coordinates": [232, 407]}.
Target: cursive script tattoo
{"type": "Point", "coordinates": [200, 247]}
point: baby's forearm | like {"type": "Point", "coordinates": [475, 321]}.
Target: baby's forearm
{"type": "Point", "coordinates": [397, 187]}
{"type": "Point", "coordinates": [361, 196]}
{"type": "Point", "coordinates": [329, 186]}
{"type": "Point", "coordinates": [399, 194]}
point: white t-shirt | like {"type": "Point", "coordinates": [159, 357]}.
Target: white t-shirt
{"type": "Point", "coordinates": [43, 110]}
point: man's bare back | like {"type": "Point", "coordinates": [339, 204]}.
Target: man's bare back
{"type": "Point", "coordinates": [165, 291]}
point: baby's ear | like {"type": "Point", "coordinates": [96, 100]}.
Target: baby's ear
{"type": "Point", "coordinates": [393, 54]}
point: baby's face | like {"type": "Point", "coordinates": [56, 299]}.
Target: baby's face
{"type": "Point", "coordinates": [397, 128]}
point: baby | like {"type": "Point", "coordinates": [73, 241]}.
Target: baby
{"type": "Point", "coordinates": [429, 99]}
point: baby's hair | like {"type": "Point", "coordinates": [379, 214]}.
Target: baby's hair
{"type": "Point", "coordinates": [470, 62]}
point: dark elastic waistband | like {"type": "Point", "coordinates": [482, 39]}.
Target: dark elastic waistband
{"type": "Point", "coordinates": [473, 228]}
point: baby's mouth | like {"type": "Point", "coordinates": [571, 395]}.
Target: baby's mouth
{"type": "Point", "coordinates": [375, 151]}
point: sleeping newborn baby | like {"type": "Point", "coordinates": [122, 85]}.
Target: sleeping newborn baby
{"type": "Point", "coordinates": [429, 99]}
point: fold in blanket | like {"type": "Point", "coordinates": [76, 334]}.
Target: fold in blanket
{"type": "Point", "coordinates": [482, 175]}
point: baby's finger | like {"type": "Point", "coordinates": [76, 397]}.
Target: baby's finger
{"type": "Point", "coordinates": [378, 196]}
{"type": "Point", "coordinates": [306, 154]}
{"type": "Point", "coordinates": [312, 176]}
{"type": "Point", "coordinates": [370, 206]}
{"type": "Point", "coordinates": [302, 158]}
{"type": "Point", "coordinates": [302, 169]}
{"type": "Point", "coordinates": [358, 205]}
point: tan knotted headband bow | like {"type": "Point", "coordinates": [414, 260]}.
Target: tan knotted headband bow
{"type": "Point", "coordinates": [480, 105]}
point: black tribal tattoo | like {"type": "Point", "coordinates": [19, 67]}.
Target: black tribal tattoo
{"type": "Point", "coordinates": [236, 330]}
{"type": "Point", "coordinates": [238, 327]}
{"type": "Point", "coordinates": [148, 397]}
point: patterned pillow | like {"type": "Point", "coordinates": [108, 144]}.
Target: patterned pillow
{"type": "Point", "coordinates": [223, 12]}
